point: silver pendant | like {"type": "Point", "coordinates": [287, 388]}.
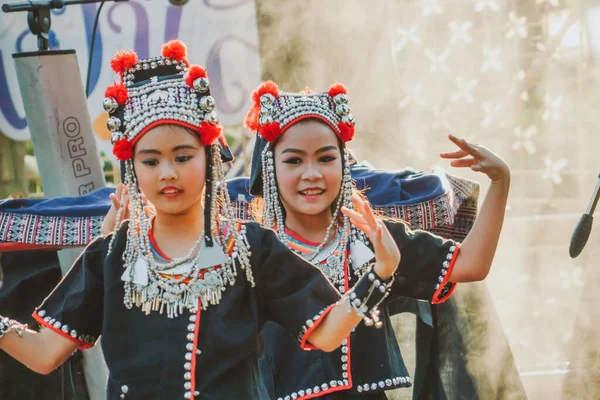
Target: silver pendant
{"type": "Point", "coordinates": [211, 256]}
{"type": "Point", "coordinates": [360, 254]}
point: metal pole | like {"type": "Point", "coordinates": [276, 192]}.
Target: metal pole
{"type": "Point", "coordinates": [65, 150]}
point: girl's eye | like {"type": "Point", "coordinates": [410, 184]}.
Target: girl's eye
{"type": "Point", "coordinates": [182, 159]}
{"type": "Point", "coordinates": [294, 160]}
{"type": "Point", "coordinates": [151, 162]}
{"type": "Point", "coordinates": [326, 159]}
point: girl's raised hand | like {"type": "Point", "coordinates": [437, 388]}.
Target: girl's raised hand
{"type": "Point", "coordinates": [387, 254]}
{"type": "Point", "coordinates": [108, 225]}
{"type": "Point", "coordinates": [478, 158]}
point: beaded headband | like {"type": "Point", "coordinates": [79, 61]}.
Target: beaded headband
{"type": "Point", "coordinates": [157, 91]}
{"type": "Point", "coordinates": [273, 112]}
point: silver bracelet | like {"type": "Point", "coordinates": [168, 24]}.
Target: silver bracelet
{"type": "Point", "coordinates": [7, 325]}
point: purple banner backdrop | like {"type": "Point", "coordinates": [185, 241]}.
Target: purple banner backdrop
{"type": "Point", "coordinates": [221, 35]}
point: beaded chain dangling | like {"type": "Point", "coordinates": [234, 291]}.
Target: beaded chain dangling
{"type": "Point", "coordinates": [166, 89]}
{"type": "Point", "coordinates": [273, 218]}
{"type": "Point", "coordinates": [174, 294]}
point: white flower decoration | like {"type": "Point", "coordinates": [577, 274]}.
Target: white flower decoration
{"type": "Point", "coordinates": [481, 5]}
{"type": "Point", "coordinates": [431, 7]}
{"type": "Point", "coordinates": [438, 63]}
{"type": "Point", "coordinates": [517, 26]}
{"type": "Point", "coordinates": [492, 60]}
{"type": "Point", "coordinates": [524, 139]}
{"type": "Point", "coordinates": [553, 169]}
{"type": "Point", "coordinates": [464, 90]}
{"type": "Point", "coordinates": [406, 36]}
{"type": "Point", "coordinates": [490, 111]}
{"type": "Point", "coordinates": [552, 108]}
{"type": "Point", "coordinates": [412, 95]}
{"type": "Point", "coordinates": [459, 32]}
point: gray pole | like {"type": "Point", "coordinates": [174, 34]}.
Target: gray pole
{"type": "Point", "coordinates": [65, 150]}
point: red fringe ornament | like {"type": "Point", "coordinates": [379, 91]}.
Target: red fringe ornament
{"type": "Point", "coordinates": [270, 132]}
{"type": "Point", "coordinates": [336, 89]}
{"type": "Point", "coordinates": [119, 92]}
{"type": "Point", "coordinates": [346, 131]}
{"type": "Point", "coordinates": [193, 73]}
{"type": "Point", "coordinates": [123, 60]}
{"type": "Point", "coordinates": [174, 49]}
{"type": "Point", "coordinates": [123, 150]}
{"type": "Point", "coordinates": [252, 117]}
{"type": "Point", "coordinates": [264, 88]}
{"type": "Point", "coordinates": [209, 132]}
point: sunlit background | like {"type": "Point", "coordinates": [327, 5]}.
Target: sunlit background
{"type": "Point", "coordinates": [520, 77]}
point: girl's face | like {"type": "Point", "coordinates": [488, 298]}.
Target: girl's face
{"type": "Point", "coordinates": [170, 166]}
{"type": "Point", "coordinates": [308, 167]}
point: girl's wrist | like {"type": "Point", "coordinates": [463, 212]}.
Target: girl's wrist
{"type": "Point", "coordinates": [384, 271]}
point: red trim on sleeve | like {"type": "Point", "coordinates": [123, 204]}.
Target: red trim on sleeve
{"type": "Point", "coordinates": [81, 345]}
{"type": "Point", "coordinates": [304, 343]}
{"type": "Point", "coordinates": [436, 299]}
{"type": "Point", "coordinates": [194, 356]}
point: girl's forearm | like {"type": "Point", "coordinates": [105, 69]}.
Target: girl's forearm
{"type": "Point", "coordinates": [477, 250]}
{"type": "Point", "coordinates": [41, 352]}
{"type": "Point", "coordinates": [335, 327]}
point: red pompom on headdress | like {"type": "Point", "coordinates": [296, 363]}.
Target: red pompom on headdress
{"type": "Point", "coordinates": [337, 88]}
{"type": "Point", "coordinates": [174, 49]}
{"type": "Point", "coordinates": [209, 132]}
{"type": "Point", "coordinates": [123, 60]}
{"type": "Point", "coordinates": [264, 88]}
{"type": "Point", "coordinates": [346, 131]}
{"type": "Point", "coordinates": [253, 116]}
{"type": "Point", "coordinates": [193, 73]}
{"type": "Point", "coordinates": [123, 150]}
{"type": "Point", "coordinates": [119, 92]}
{"type": "Point", "coordinates": [270, 132]}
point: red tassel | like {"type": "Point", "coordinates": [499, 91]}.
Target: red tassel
{"type": "Point", "coordinates": [264, 88]}
{"type": "Point", "coordinates": [252, 118]}
{"type": "Point", "coordinates": [209, 132]}
{"type": "Point", "coordinates": [193, 73]}
{"type": "Point", "coordinates": [123, 60]}
{"type": "Point", "coordinates": [336, 89]}
{"type": "Point", "coordinates": [119, 92]}
{"type": "Point", "coordinates": [270, 132]}
{"type": "Point", "coordinates": [123, 150]}
{"type": "Point", "coordinates": [174, 49]}
{"type": "Point", "coordinates": [346, 131]}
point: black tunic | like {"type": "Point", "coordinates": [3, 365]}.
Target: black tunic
{"type": "Point", "coordinates": [371, 362]}
{"type": "Point", "coordinates": [214, 352]}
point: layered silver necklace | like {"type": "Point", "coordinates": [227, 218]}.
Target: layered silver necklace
{"type": "Point", "coordinates": [331, 256]}
{"type": "Point", "coordinates": [173, 286]}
